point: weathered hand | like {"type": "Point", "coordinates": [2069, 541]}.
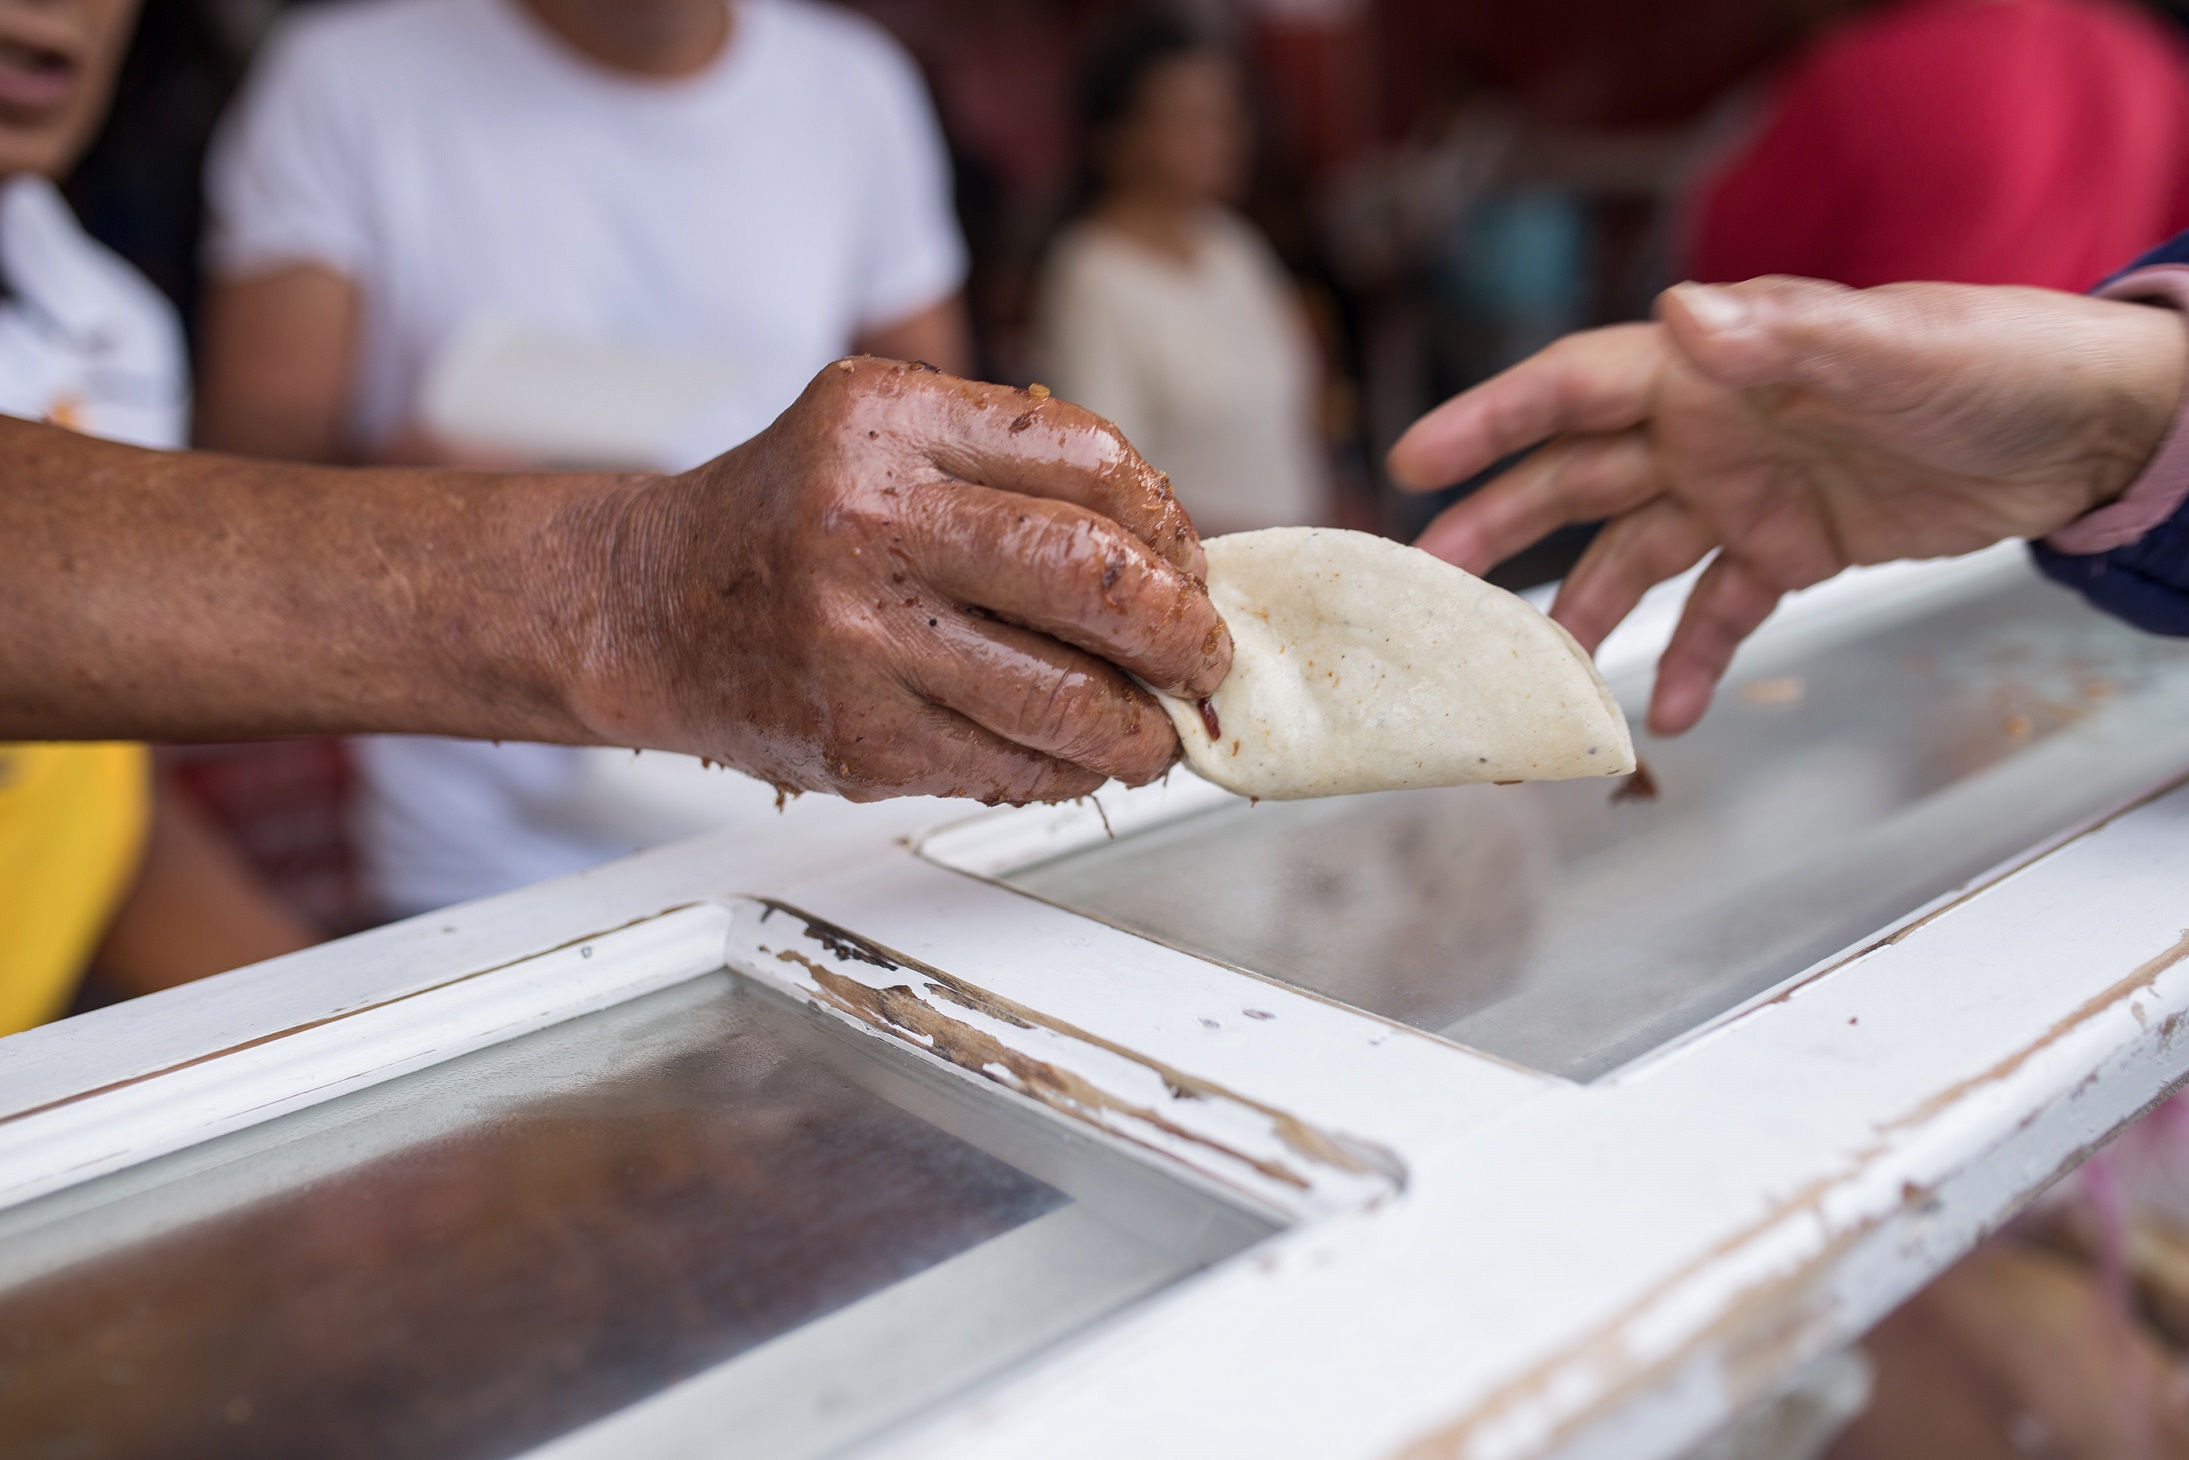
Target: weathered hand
{"type": "Point", "coordinates": [1796, 428]}
{"type": "Point", "coordinates": [910, 583]}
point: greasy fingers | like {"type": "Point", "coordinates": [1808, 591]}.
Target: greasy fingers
{"type": "Point", "coordinates": [1075, 575]}
{"type": "Point", "coordinates": [1631, 555]}
{"type": "Point", "coordinates": [1580, 479]}
{"type": "Point", "coordinates": [1040, 446]}
{"type": "Point", "coordinates": [909, 584]}
{"type": "Point", "coordinates": [1035, 692]}
{"type": "Point", "coordinates": [939, 752]}
{"type": "Point", "coordinates": [1728, 604]}
{"type": "Point", "coordinates": [1599, 381]}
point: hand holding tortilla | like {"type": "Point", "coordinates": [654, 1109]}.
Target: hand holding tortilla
{"type": "Point", "coordinates": [907, 584]}
{"type": "Point", "coordinates": [1360, 664]}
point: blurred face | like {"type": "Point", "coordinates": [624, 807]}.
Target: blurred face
{"type": "Point", "coordinates": [1186, 139]}
{"type": "Point", "coordinates": [57, 64]}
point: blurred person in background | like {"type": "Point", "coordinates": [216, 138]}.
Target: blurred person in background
{"type": "Point", "coordinates": [1972, 141]}
{"type": "Point", "coordinates": [1162, 308]}
{"type": "Point", "coordinates": [96, 864]}
{"type": "Point", "coordinates": [680, 191]}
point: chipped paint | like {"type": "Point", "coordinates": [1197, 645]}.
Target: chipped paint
{"type": "Point", "coordinates": [2138, 979]}
{"type": "Point", "coordinates": [1266, 1153]}
{"type": "Point", "coordinates": [1765, 1327]}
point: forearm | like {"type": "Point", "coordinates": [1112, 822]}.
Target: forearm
{"type": "Point", "coordinates": [897, 588]}
{"type": "Point", "coordinates": [275, 364]}
{"type": "Point", "coordinates": [187, 596]}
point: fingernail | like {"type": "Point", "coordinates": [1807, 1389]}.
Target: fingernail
{"type": "Point", "coordinates": [1718, 310]}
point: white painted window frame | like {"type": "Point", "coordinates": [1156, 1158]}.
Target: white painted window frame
{"type": "Point", "coordinates": [1483, 1260]}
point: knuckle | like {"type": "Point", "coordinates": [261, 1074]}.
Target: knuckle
{"type": "Point", "coordinates": [1095, 720]}
{"type": "Point", "coordinates": [1115, 451]}
{"type": "Point", "coordinates": [840, 381]}
{"type": "Point", "coordinates": [1097, 558]}
{"type": "Point", "coordinates": [1050, 713]}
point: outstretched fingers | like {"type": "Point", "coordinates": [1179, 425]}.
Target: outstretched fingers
{"type": "Point", "coordinates": [1633, 554]}
{"type": "Point", "coordinates": [1729, 603]}
{"type": "Point", "coordinates": [1600, 381]}
{"type": "Point", "coordinates": [1580, 479]}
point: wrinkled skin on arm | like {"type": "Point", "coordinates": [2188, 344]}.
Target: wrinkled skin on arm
{"type": "Point", "coordinates": [909, 583]}
{"type": "Point", "coordinates": [932, 582]}
{"type": "Point", "coordinates": [1796, 428]}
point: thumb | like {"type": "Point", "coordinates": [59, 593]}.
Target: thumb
{"type": "Point", "coordinates": [1775, 331]}
{"type": "Point", "coordinates": [1875, 351]}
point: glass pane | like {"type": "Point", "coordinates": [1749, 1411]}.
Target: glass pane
{"type": "Point", "coordinates": [1829, 792]}
{"type": "Point", "coordinates": [479, 1257]}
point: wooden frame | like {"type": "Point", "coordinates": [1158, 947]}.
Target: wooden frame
{"type": "Point", "coordinates": [1481, 1260]}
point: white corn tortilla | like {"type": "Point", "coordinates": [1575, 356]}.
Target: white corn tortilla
{"type": "Point", "coordinates": [1360, 664]}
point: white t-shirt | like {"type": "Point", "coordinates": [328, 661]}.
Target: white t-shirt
{"type": "Point", "coordinates": [1206, 367]}
{"type": "Point", "coordinates": [460, 163]}
{"type": "Point", "coordinates": [85, 342]}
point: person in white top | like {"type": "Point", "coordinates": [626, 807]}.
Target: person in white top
{"type": "Point", "coordinates": [695, 196]}
{"type": "Point", "coordinates": [87, 343]}
{"type": "Point", "coordinates": [1163, 309]}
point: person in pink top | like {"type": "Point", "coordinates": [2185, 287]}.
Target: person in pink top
{"type": "Point", "coordinates": [1976, 141]}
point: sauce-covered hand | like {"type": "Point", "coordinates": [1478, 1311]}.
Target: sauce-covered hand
{"type": "Point", "coordinates": [1796, 428]}
{"type": "Point", "coordinates": [909, 583]}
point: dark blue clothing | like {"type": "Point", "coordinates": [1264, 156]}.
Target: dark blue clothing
{"type": "Point", "coordinates": [2147, 581]}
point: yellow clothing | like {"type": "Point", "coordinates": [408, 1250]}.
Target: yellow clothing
{"type": "Point", "coordinates": [72, 826]}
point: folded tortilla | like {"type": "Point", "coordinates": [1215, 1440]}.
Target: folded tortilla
{"type": "Point", "coordinates": [1360, 664]}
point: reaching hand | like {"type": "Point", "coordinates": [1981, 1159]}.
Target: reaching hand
{"type": "Point", "coordinates": [910, 583]}
{"type": "Point", "coordinates": [1796, 428]}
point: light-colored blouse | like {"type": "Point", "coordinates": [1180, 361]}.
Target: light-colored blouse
{"type": "Point", "coordinates": [1207, 367]}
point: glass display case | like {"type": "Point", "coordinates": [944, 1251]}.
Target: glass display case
{"type": "Point", "coordinates": [492, 1251]}
{"type": "Point", "coordinates": [1496, 1122]}
{"type": "Point", "coordinates": [1836, 788]}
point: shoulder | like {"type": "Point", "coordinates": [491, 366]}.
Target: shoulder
{"type": "Point", "coordinates": [1960, 93]}
{"type": "Point", "coordinates": [352, 63]}
{"type": "Point", "coordinates": [342, 37]}
{"type": "Point", "coordinates": [1240, 243]}
{"type": "Point", "coordinates": [1087, 256]}
{"type": "Point", "coordinates": [850, 46]}
{"type": "Point", "coordinates": [1954, 51]}
{"type": "Point", "coordinates": [1085, 284]}
{"type": "Point", "coordinates": [91, 292]}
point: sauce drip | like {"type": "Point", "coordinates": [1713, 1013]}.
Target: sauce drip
{"type": "Point", "coordinates": [1208, 718]}
{"type": "Point", "coordinates": [1641, 786]}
